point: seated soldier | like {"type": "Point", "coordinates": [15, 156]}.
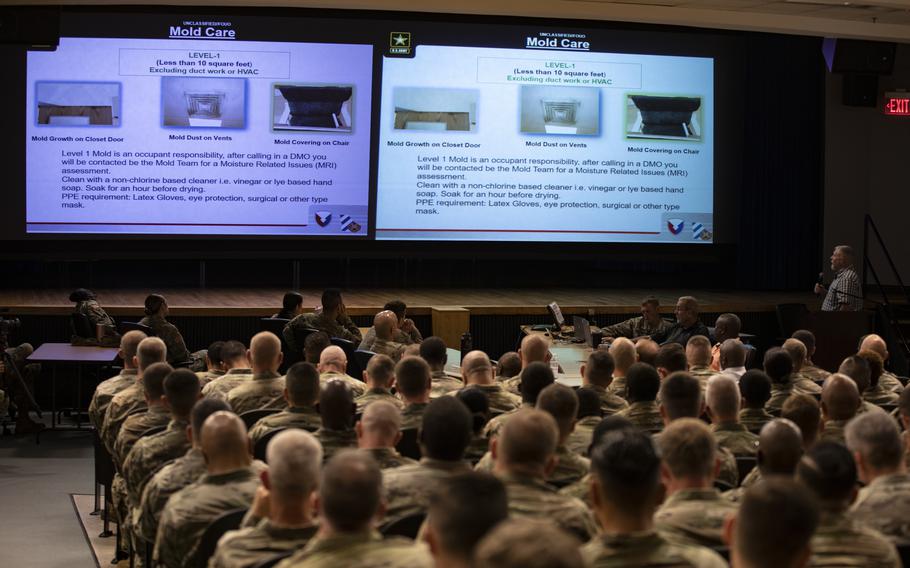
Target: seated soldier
{"type": "Point", "coordinates": [333, 364]}
{"type": "Point", "coordinates": [508, 365]}
{"type": "Point", "coordinates": [694, 511]}
{"type": "Point", "coordinates": [670, 359]}
{"type": "Point", "coordinates": [561, 403]}
{"type": "Point", "coordinates": [581, 488]}
{"type": "Point", "coordinates": [808, 368]}
{"type": "Point", "coordinates": [624, 356]}
{"type": "Point", "coordinates": [755, 388]}
{"type": "Point", "coordinates": [385, 326]}
{"type": "Point", "coordinates": [236, 361]}
{"type": "Point", "coordinates": [903, 418]}
{"type": "Point", "coordinates": [406, 332]}
{"type": "Point", "coordinates": [313, 346]}
{"type": "Point", "coordinates": [773, 527]}
{"type": "Point", "coordinates": [229, 483]}
{"type": "Point", "coordinates": [888, 380]}
{"type": "Point", "coordinates": [643, 386]}
{"type": "Point", "coordinates": [534, 378]}
{"type": "Point", "coordinates": [433, 351]}
{"type": "Point", "coordinates": [528, 543]}
{"type": "Point", "coordinates": [350, 503]}
{"type": "Point", "coordinates": [412, 375]}
{"type": "Point", "coordinates": [698, 358]}
{"type": "Point", "coordinates": [879, 454]}
{"type": "Point", "coordinates": [477, 371]}
{"type": "Point", "coordinates": [589, 416]}
{"type": "Point", "coordinates": [525, 456]}
{"type": "Point", "coordinates": [804, 411]}
{"type": "Point", "coordinates": [301, 391]}
{"type": "Point", "coordinates": [626, 491]}
{"type": "Point", "coordinates": [378, 431]}
{"type": "Point", "coordinates": [444, 435]}
{"type": "Point", "coordinates": [337, 408]}
{"type": "Point", "coordinates": [646, 350]}
{"type": "Point", "coordinates": [877, 394]}
{"type": "Point", "coordinates": [840, 402]}
{"type": "Point", "coordinates": [379, 377]}
{"type": "Point", "coordinates": [534, 349]}
{"type": "Point", "coordinates": [289, 484]}
{"type": "Point", "coordinates": [780, 447]}
{"type": "Point", "coordinates": [291, 306]}
{"type": "Point", "coordinates": [106, 390]}
{"type": "Point", "coordinates": [857, 369]}
{"type": "Point", "coordinates": [802, 384]}
{"type": "Point", "coordinates": [778, 366]}
{"type": "Point", "coordinates": [137, 423]}
{"type": "Point", "coordinates": [828, 472]}
{"type": "Point", "coordinates": [214, 364]}
{"type": "Point", "coordinates": [156, 311]}
{"type": "Point", "coordinates": [733, 358]}
{"type": "Point", "coordinates": [479, 406]}
{"type": "Point", "coordinates": [87, 305]}
{"type": "Point", "coordinates": [648, 323]}
{"type": "Point", "coordinates": [265, 389]}
{"type": "Point", "coordinates": [332, 319]}
{"type": "Point", "coordinates": [722, 398]}
{"type": "Point", "coordinates": [463, 509]}
{"type": "Point", "coordinates": [597, 374]}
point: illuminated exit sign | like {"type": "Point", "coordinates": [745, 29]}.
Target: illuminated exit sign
{"type": "Point", "coordinates": [896, 104]}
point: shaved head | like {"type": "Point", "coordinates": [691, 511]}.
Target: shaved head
{"type": "Point", "coordinates": [732, 353]}
{"type": "Point", "coordinates": [351, 491]}
{"type": "Point", "coordinates": [381, 419]}
{"type": "Point", "coordinates": [527, 441]}
{"type": "Point", "coordinates": [150, 350]}
{"type": "Point", "coordinates": [295, 459]}
{"type": "Point", "coordinates": [624, 355]}
{"type": "Point", "coordinates": [874, 342]}
{"type": "Point", "coordinates": [333, 358]}
{"type": "Point", "coordinates": [476, 368]}
{"type": "Point", "coordinates": [129, 343]}
{"type": "Point", "coordinates": [265, 352]}
{"type": "Point", "coordinates": [857, 369]}
{"type": "Point", "coordinates": [647, 351]}
{"type": "Point", "coordinates": [534, 348]}
{"type": "Point", "coordinates": [723, 398]}
{"type": "Point", "coordinates": [840, 398]}
{"type": "Point", "coordinates": [698, 351]}
{"type": "Point", "coordinates": [224, 442]}
{"type": "Point", "coordinates": [780, 447]}
{"type": "Point", "coordinates": [381, 370]}
{"type": "Point", "coordinates": [385, 323]}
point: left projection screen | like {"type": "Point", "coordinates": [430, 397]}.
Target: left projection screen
{"type": "Point", "coordinates": [207, 136]}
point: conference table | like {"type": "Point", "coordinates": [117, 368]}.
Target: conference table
{"type": "Point", "coordinates": [57, 354]}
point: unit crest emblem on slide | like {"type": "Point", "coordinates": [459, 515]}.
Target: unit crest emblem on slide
{"type": "Point", "coordinates": [676, 226]}
{"type": "Point", "coordinates": [323, 218]}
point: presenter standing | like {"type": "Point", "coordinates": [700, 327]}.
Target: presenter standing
{"type": "Point", "coordinates": [844, 294]}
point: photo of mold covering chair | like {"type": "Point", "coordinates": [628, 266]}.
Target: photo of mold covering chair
{"type": "Point", "coordinates": [663, 117]}
{"type": "Point", "coordinates": [308, 107]}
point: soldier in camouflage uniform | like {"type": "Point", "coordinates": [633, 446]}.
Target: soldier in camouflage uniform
{"type": "Point", "coordinates": [809, 369]}
{"type": "Point", "coordinates": [755, 388]}
{"type": "Point", "coordinates": [597, 374]}
{"type": "Point", "coordinates": [802, 384]}
{"type": "Point", "coordinates": [535, 348]}
{"type": "Point", "coordinates": [379, 377]}
{"type": "Point", "coordinates": [236, 363]}
{"type": "Point", "coordinates": [87, 305]}
{"type": "Point", "coordinates": [643, 412]}
{"type": "Point", "coordinates": [698, 356]}
{"type": "Point", "coordinates": [780, 447]}
{"type": "Point", "coordinates": [301, 393]}
{"type": "Point", "coordinates": [412, 376]}
{"type": "Point", "coordinates": [649, 323]}
{"type": "Point", "coordinates": [406, 332]}
{"type": "Point", "coordinates": [214, 364]}
{"type": "Point", "coordinates": [106, 390]}
{"type": "Point", "coordinates": [137, 423]}
{"type": "Point", "coordinates": [723, 398]}
{"type": "Point", "coordinates": [479, 406]}
{"type": "Point", "coordinates": [377, 433]}
{"type": "Point", "coordinates": [535, 377]}
{"type": "Point", "coordinates": [524, 453]}
{"type": "Point", "coordinates": [778, 366]}
{"type": "Point", "coordinates": [350, 494]}
{"type": "Point", "coordinates": [433, 351]}
{"type": "Point", "coordinates": [694, 512]}
{"type": "Point", "coordinates": [877, 393]}
{"type": "Point", "coordinates": [229, 483]}
{"type": "Point", "coordinates": [624, 356]}
{"type": "Point", "coordinates": [295, 459]}
{"type": "Point", "coordinates": [266, 389]}
{"type": "Point", "coordinates": [156, 311]}
{"type": "Point", "coordinates": [333, 364]}
{"type": "Point", "coordinates": [883, 503]}
{"type": "Point", "coordinates": [888, 380]}
{"type": "Point", "coordinates": [386, 325]}
{"type": "Point", "coordinates": [828, 471]}
{"type": "Point", "coordinates": [840, 401]}
{"type": "Point", "coordinates": [626, 479]}
{"type": "Point", "coordinates": [527, 543]}
{"type": "Point", "coordinates": [589, 416]}
{"type": "Point", "coordinates": [332, 319]}
{"type": "Point", "coordinates": [477, 372]}
{"type": "Point", "coordinates": [337, 408]}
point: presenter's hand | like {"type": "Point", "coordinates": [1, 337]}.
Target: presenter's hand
{"type": "Point", "coordinates": [819, 289]}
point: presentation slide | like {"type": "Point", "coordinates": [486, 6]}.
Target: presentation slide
{"type": "Point", "coordinates": [550, 142]}
{"type": "Point", "coordinates": [198, 133]}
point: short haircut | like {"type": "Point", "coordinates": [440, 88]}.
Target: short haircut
{"type": "Point", "coordinates": [876, 365]}
{"type": "Point", "coordinates": [397, 307]}
{"type": "Point", "coordinates": [478, 404]}
{"type": "Point", "coordinates": [698, 351]}
{"type": "Point", "coordinates": [331, 299]}
{"type": "Point", "coordinates": [528, 543]}
{"type": "Point", "coordinates": [588, 403]}
{"type": "Point", "coordinates": [336, 405]}
{"type": "Point", "coordinates": [846, 250]}
{"type": "Point", "coordinates": [671, 357]}
{"type": "Point", "coordinates": [129, 344]}
{"type": "Point", "coordinates": [611, 423]}
{"type": "Point", "coordinates": [647, 351]}
{"type": "Point", "coordinates": [295, 459]}
{"type": "Point", "coordinates": [508, 365]}
{"type": "Point", "coordinates": [599, 367]}
{"type": "Point", "coordinates": [807, 337]}
{"type": "Point", "coordinates": [623, 352]}
{"type": "Point", "coordinates": [755, 387]}
{"type": "Point", "coordinates": [154, 303]}
{"type": "Point", "coordinates": [733, 352]}
{"type": "Point", "coordinates": [151, 350]}
{"type": "Point", "coordinates": [181, 387]}
{"type": "Point", "coordinates": [651, 300]}
{"type": "Point", "coordinates": [291, 300]}
{"type": "Point", "coordinates": [778, 365]}
{"type": "Point", "coordinates": [381, 417]}
{"type": "Point", "coordinates": [351, 490]}
{"type": "Point", "coordinates": [446, 431]}
{"type": "Point", "coordinates": [202, 410]}
{"type": "Point", "coordinates": [627, 467]}
{"type": "Point", "coordinates": [841, 397]}
{"type": "Point", "coordinates": [381, 369]}
{"type": "Point", "coordinates": [534, 378]}
{"type": "Point", "coordinates": [529, 438]}
{"type": "Point", "coordinates": [433, 351]}
{"type": "Point", "coordinates": [232, 351]}
{"type": "Point", "coordinates": [804, 411]}
{"type": "Point", "coordinates": [314, 344]}
{"type": "Point", "coordinates": [857, 369]}
{"type": "Point", "coordinates": [874, 435]}
{"type": "Point", "coordinates": [828, 470]}
{"type": "Point", "coordinates": [81, 295]}
{"type": "Point", "coordinates": [412, 375]}
{"type": "Point", "coordinates": [562, 404]}
{"type": "Point", "coordinates": [214, 353]}
{"type": "Point", "coordinates": [689, 301]}
{"type": "Point", "coordinates": [265, 348]}
{"type": "Point", "coordinates": [797, 351]}
{"type": "Point", "coordinates": [775, 523]}
{"type": "Point", "coordinates": [153, 380]}
{"type": "Point", "coordinates": [688, 449]}
{"type": "Point", "coordinates": [732, 322]}
{"type": "Point", "coordinates": [464, 508]}
{"type": "Point", "coordinates": [722, 396]}
{"type": "Point", "coordinates": [680, 395]}
{"type": "Point", "coordinates": [780, 447]}
{"type": "Point", "coordinates": [643, 382]}
{"type": "Point", "coordinates": [302, 382]}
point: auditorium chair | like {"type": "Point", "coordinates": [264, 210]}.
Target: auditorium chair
{"type": "Point", "coordinates": [126, 326]}
{"type": "Point", "coordinates": [273, 561]}
{"type": "Point", "coordinates": [251, 417]}
{"type": "Point", "coordinates": [225, 522]}
{"type": "Point", "coordinates": [263, 442]}
{"type": "Point", "coordinates": [104, 477]}
{"type": "Point", "coordinates": [407, 526]}
{"type": "Point", "coordinates": [723, 485]}
{"type": "Point", "coordinates": [745, 464]}
{"type": "Point", "coordinates": [408, 445]}
{"type": "Point", "coordinates": [362, 358]}
{"type": "Point", "coordinates": [903, 551]}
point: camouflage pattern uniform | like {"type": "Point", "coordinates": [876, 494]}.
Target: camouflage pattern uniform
{"type": "Point", "coordinates": [890, 381]}
{"type": "Point", "coordinates": [250, 546]}
{"type": "Point", "coordinates": [500, 400]}
{"type": "Point", "coordinates": [170, 335]}
{"type": "Point", "coordinates": [400, 337]}
{"type": "Point", "coordinates": [635, 327]}
{"type": "Point", "coordinates": [377, 394]}
{"type": "Point", "coordinates": [189, 511]}
{"type": "Point", "coordinates": [220, 387]}
{"type": "Point", "coordinates": [879, 395]}
{"type": "Point", "coordinates": [105, 392]}
{"type": "Point", "coordinates": [121, 406]}
{"type": "Point", "coordinates": [94, 312]}
{"type": "Point", "coordinates": [867, 406]}
{"type": "Point", "coordinates": [813, 373]}
{"type": "Point", "coordinates": [779, 394]}
{"type": "Point", "coordinates": [840, 541]}
{"type": "Point", "coordinates": [569, 469]}
{"type": "Point", "coordinates": [534, 498]}
{"type": "Point", "coordinates": [736, 438]}
{"type": "Point", "coordinates": [883, 505]}
{"type": "Point", "coordinates": [833, 431]}
{"type": "Point", "coordinates": [390, 348]}
{"type": "Point", "coordinates": [581, 489]}
{"type": "Point", "coordinates": [609, 402]}
{"type": "Point", "coordinates": [169, 479]}
{"type": "Point", "coordinates": [412, 415]}
{"type": "Point", "coordinates": [647, 550]}
{"type": "Point", "coordinates": [408, 488]}
{"type": "Point", "coordinates": [333, 441]}
{"type": "Point", "coordinates": [149, 453]}
{"type": "Point", "coordinates": [804, 385]}
{"type": "Point", "coordinates": [359, 550]}
{"type": "Point", "coordinates": [580, 438]}
{"type": "Point", "coordinates": [694, 516]}
{"type": "Point", "coordinates": [496, 423]}
{"type": "Point", "coordinates": [346, 329]}
{"type": "Point", "coordinates": [134, 426]}
{"type": "Point", "coordinates": [444, 383]}
{"type": "Point", "coordinates": [729, 472]}
{"type": "Point", "coordinates": [512, 385]}
{"type": "Point", "coordinates": [478, 448]}
{"type": "Point", "coordinates": [205, 377]}
{"type": "Point", "coordinates": [305, 418]}
{"type": "Point", "coordinates": [703, 374]}
{"type": "Point", "coordinates": [645, 416]}
{"type": "Point", "coordinates": [754, 418]}
{"type": "Point", "coordinates": [265, 391]}
{"type": "Point", "coordinates": [389, 458]}
{"type": "Point", "coordinates": [358, 388]}
{"type": "Point", "coordinates": [620, 387]}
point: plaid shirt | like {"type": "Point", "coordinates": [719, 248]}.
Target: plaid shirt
{"type": "Point", "coordinates": [844, 289]}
